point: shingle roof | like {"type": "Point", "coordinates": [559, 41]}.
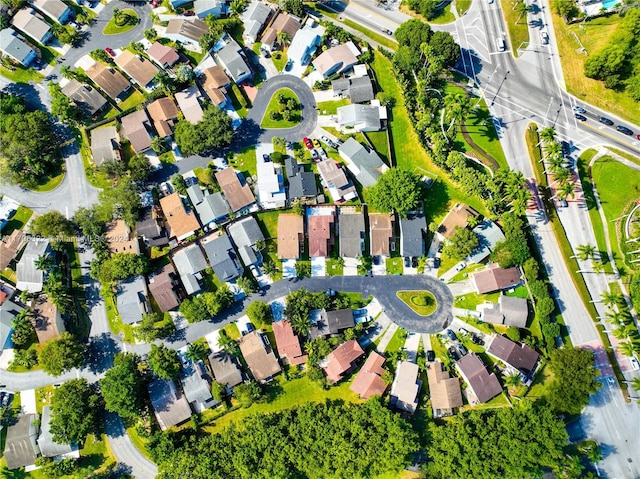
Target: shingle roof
{"type": "Point", "coordinates": [288, 343]}
{"type": "Point", "coordinates": [259, 356]}
{"type": "Point", "coordinates": [189, 103]}
{"type": "Point", "coordinates": [232, 61]}
{"type": "Point", "coordinates": [444, 391]}
{"type": "Point", "coordinates": [20, 448]}
{"type": "Point", "coordinates": [29, 277]}
{"type": "Point", "coordinates": [149, 228]}
{"type": "Point", "coordinates": [341, 360]}
{"type": "Point", "coordinates": [225, 368]}
{"type": "Point", "coordinates": [119, 237]}
{"type": "Point", "coordinates": [46, 319]}
{"type": "Point", "coordinates": [53, 8]}
{"type": "Point", "coordinates": [195, 384]}
{"type": "Point", "coordinates": [369, 381]}
{"type": "Point", "coordinates": [337, 59]}
{"type": "Point", "coordinates": [15, 47]}
{"type": "Point", "coordinates": [290, 235]}
{"type": "Point", "coordinates": [519, 356]}
{"type": "Point", "coordinates": [405, 387]}
{"type": "Point", "coordinates": [244, 234]}
{"type": "Point", "coordinates": [111, 81]}
{"type": "Point", "coordinates": [209, 207]}
{"type": "Point", "coordinates": [26, 21]}
{"type": "Point", "coordinates": [353, 114]}
{"type": "Point", "coordinates": [136, 127]}
{"type": "Point", "coordinates": [132, 299]}
{"type": "Point", "coordinates": [237, 194]}
{"type": "Point", "coordinates": [181, 223]}
{"type": "Point", "coordinates": [105, 144]}
{"type": "Point", "coordinates": [214, 81]}
{"type": "Point", "coordinates": [162, 54]}
{"type": "Point", "coordinates": [458, 216]}
{"type": "Point", "coordinates": [363, 162]}
{"type": "Point", "coordinates": [163, 112]}
{"type": "Point", "coordinates": [9, 246]}
{"type": "Point", "coordinates": [496, 278]}
{"type": "Point", "coordinates": [162, 289]}
{"type": "Point", "coordinates": [48, 447]}
{"type": "Point", "coordinates": [192, 29]}
{"type": "Point", "coordinates": [332, 322]}
{"type": "Point", "coordinates": [222, 256]}
{"type": "Point", "coordinates": [319, 230]}
{"type": "Point", "coordinates": [283, 23]}
{"type": "Point", "coordinates": [302, 184]}
{"type": "Point", "coordinates": [88, 100]}
{"type": "Point", "coordinates": [381, 233]}
{"type": "Point", "coordinates": [137, 67]}
{"type": "Point", "coordinates": [170, 405]}
{"type": "Point", "coordinates": [412, 234]}
{"type": "Point", "coordinates": [352, 232]}
{"type": "Point", "coordinates": [361, 90]}
{"type": "Point", "coordinates": [515, 311]}
{"type": "Point", "coordinates": [483, 384]}
{"type": "Point", "coordinates": [190, 260]}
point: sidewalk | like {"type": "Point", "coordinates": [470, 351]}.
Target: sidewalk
{"type": "Point", "coordinates": [386, 339]}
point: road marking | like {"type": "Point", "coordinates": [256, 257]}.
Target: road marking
{"type": "Point", "coordinates": [631, 145]}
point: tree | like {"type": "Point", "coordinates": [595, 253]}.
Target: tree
{"type": "Point", "coordinates": [247, 393]}
{"type": "Point", "coordinates": [457, 108]}
{"type": "Point", "coordinates": [284, 39]}
{"type": "Point", "coordinates": [522, 9]}
{"type": "Point", "coordinates": [154, 326]}
{"type": "Point", "coordinates": [635, 384]}
{"type": "Point", "coordinates": [247, 285]}
{"type": "Point", "coordinates": [122, 386]}
{"type": "Point", "coordinates": [50, 225]}
{"type": "Point", "coordinates": [197, 351]}
{"type": "Point", "coordinates": [228, 344]}
{"type": "Point", "coordinates": [512, 379]}
{"type": "Point", "coordinates": [179, 184]}
{"type": "Point", "coordinates": [23, 330]}
{"type": "Point", "coordinates": [139, 166]}
{"type": "Point", "coordinates": [547, 135]}
{"type": "Point", "coordinates": [75, 411]}
{"type": "Point", "coordinates": [565, 190]}
{"type": "Point", "coordinates": [213, 132]}
{"type": "Point", "coordinates": [462, 243]}
{"type": "Point", "coordinates": [150, 34]}
{"type": "Point", "coordinates": [397, 190]}
{"type": "Point", "coordinates": [194, 310]}
{"type": "Point", "coordinates": [59, 355]}
{"type": "Point", "coordinates": [218, 391]}
{"type": "Point", "coordinates": [61, 106]}
{"type": "Point", "coordinates": [259, 313]}
{"type": "Point", "coordinates": [184, 73]}
{"type": "Point", "coordinates": [585, 251]}
{"type": "Point", "coordinates": [164, 81]}
{"type": "Point", "coordinates": [575, 379]}
{"type": "Point", "coordinates": [164, 362]}
{"type": "Point", "coordinates": [299, 304]}
{"type": "Point", "coordinates": [57, 291]}
{"type": "Point", "coordinates": [303, 269]}
{"type": "Point", "coordinates": [120, 266]}
{"type": "Point", "coordinates": [237, 6]}
{"type": "Point", "coordinates": [159, 145]}
{"type": "Point", "coordinates": [294, 7]}
{"type": "Point", "coordinates": [26, 358]}
{"type": "Point", "coordinates": [626, 348]}
{"type": "Point", "coordinates": [610, 299]}
{"type": "Point", "coordinates": [44, 262]}
{"type": "Point", "coordinates": [121, 201]}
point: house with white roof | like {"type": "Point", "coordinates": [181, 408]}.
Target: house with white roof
{"type": "Point", "coordinates": [254, 19]}
{"type": "Point", "coordinates": [271, 191]}
{"type": "Point", "coordinates": [189, 102]}
{"type": "Point", "coordinates": [56, 10]}
{"type": "Point", "coordinates": [204, 8]}
{"type": "Point", "coordinates": [31, 25]}
{"type": "Point", "coordinates": [362, 117]}
{"type": "Point", "coordinates": [305, 43]}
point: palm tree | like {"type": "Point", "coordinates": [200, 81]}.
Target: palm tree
{"type": "Point", "coordinates": [585, 251]}
{"type": "Point", "coordinates": [44, 262]}
{"type": "Point", "coordinates": [457, 107]}
{"type": "Point", "coordinates": [626, 348]}
{"type": "Point", "coordinates": [552, 148]}
{"type": "Point", "coordinates": [614, 317]}
{"type": "Point", "coordinates": [560, 175]}
{"type": "Point", "coordinates": [522, 9]}
{"type": "Point", "coordinates": [566, 190]}
{"type": "Point", "coordinates": [547, 135]}
{"type": "Point", "coordinates": [635, 384]}
{"type": "Point", "coordinates": [620, 332]}
{"type": "Point", "coordinates": [597, 266]}
{"type": "Point", "coordinates": [196, 351]}
{"type": "Point", "coordinates": [269, 268]}
{"type": "Point", "coordinates": [164, 81]}
{"type": "Point", "coordinates": [610, 299]}
{"type": "Point", "coordinates": [237, 6]}
{"type": "Point", "coordinates": [512, 379]}
{"type": "Point", "coordinates": [66, 72]}
{"type": "Point", "coordinates": [283, 39]}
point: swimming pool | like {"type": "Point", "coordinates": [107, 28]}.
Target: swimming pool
{"type": "Point", "coordinates": [607, 4]}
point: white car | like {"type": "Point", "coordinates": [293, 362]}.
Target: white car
{"type": "Point", "coordinates": [544, 36]}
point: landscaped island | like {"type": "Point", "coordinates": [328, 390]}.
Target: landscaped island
{"type": "Point", "coordinates": [421, 302]}
{"type": "Point", "coordinates": [283, 110]}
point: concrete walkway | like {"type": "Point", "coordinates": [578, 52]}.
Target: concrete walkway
{"type": "Point", "coordinates": [386, 339]}
{"type": "Point", "coordinates": [411, 346]}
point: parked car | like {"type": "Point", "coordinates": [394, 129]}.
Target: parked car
{"type": "Point", "coordinates": [376, 260]}
{"type": "Point", "coordinates": [463, 331]}
{"type": "Point", "coordinates": [452, 336]}
{"type": "Point", "coordinates": [315, 155]}
{"type": "Point", "coordinates": [605, 120]}
{"type": "Point", "coordinates": [188, 13]}
{"type": "Point", "coordinates": [431, 356]}
{"type": "Point", "coordinates": [454, 353]}
{"type": "Point", "coordinates": [110, 51]}
{"type": "Point", "coordinates": [624, 129]}
{"type": "Point", "coordinates": [414, 262]}
{"type": "Point", "coordinates": [461, 266]}
{"type": "Point", "coordinates": [266, 158]}
{"type": "Point", "coordinates": [407, 262]}
{"type": "Point", "coordinates": [462, 349]}
{"type": "Point", "coordinates": [323, 154]}
{"type": "Point", "coordinates": [307, 142]}
{"type": "Point", "coordinates": [326, 140]}
{"type": "Point", "coordinates": [580, 117]}
{"type": "Point", "coordinates": [316, 143]}
{"type": "Point", "coordinates": [476, 339]}
{"type": "Point", "coordinates": [563, 203]}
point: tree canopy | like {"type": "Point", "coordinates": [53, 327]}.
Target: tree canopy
{"type": "Point", "coordinates": [120, 266]}
{"type": "Point", "coordinates": [397, 190]}
{"type": "Point", "coordinates": [299, 304]}
{"type": "Point", "coordinates": [122, 386]}
{"type": "Point", "coordinates": [121, 201]}
{"type": "Point", "coordinates": [51, 224]}
{"type": "Point", "coordinates": [294, 7]}
{"type": "Point", "coordinates": [60, 354]}
{"type": "Point", "coordinates": [259, 312]}
{"type": "Point", "coordinates": [75, 411]}
{"type": "Point", "coordinates": [212, 132]}
{"type": "Point", "coordinates": [574, 379]}
{"type": "Point", "coordinates": [164, 362]}
{"type": "Point", "coordinates": [462, 243]}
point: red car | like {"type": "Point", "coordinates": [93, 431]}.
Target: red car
{"type": "Point", "coordinates": [188, 13]}
{"type": "Point", "coordinates": [307, 143]}
{"type": "Point", "coordinates": [155, 3]}
{"type": "Point", "coordinates": [110, 51]}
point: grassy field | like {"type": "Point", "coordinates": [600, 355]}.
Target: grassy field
{"type": "Point", "coordinates": [50, 182]}
{"type": "Point", "coordinates": [115, 323]}
{"type": "Point", "coordinates": [463, 6]}
{"type": "Point", "coordinates": [471, 300]}
{"type": "Point", "coordinates": [279, 59]}
{"type": "Point", "coordinates": [21, 74]}
{"type": "Point", "coordinates": [245, 161]}
{"type": "Point", "coordinates": [422, 302]}
{"type": "Point", "coordinates": [112, 29]}
{"type": "Point", "coordinates": [397, 341]}
{"type": "Point", "coordinates": [331, 107]}
{"type": "Point", "coordinates": [134, 98]}
{"type": "Point", "coordinates": [268, 221]}
{"type": "Point", "coordinates": [334, 267]}
{"type": "Point", "coordinates": [593, 35]}
{"type": "Point", "coordinates": [380, 143]}
{"type": "Point", "coordinates": [394, 266]}
{"type": "Point", "coordinates": [518, 34]}
{"type": "Point", "coordinates": [624, 154]}
{"type": "Point", "coordinates": [18, 220]}
{"type": "Point", "coordinates": [274, 106]}
{"type": "Point", "coordinates": [444, 15]}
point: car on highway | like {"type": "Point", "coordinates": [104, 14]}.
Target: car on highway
{"type": "Point", "coordinates": [500, 44]}
{"type": "Point", "coordinates": [579, 109]}
{"type": "Point", "coordinates": [544, 36]}
{"type": "Point", "coordinates": [580, 117]}
{"type": "Point", "coordinates": [605, 120]}
{"type": "Point", "coordinates": [387, 31]}
{"type": "Point", "coordinates": [110, 51]}
{"type": "Point", "coordinates": [316, 143]}
{"type": "Point", "coordinates": [624, 129]}
{"type": "Point", "coordinates": [307, 143]}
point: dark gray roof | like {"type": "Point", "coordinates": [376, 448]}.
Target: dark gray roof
{"type": "Point", "coordinates": [87, 99]}
{"type": "Point", "coordinates": [412, 234]}
{"type": "Point", "coordinates": [20, 448]}
{"type": "Point", "coordinates": [232, 61]}
{"type": "Point", "coordinates": [222, 257]}
{"type": "Point", "coordinates": [208, 207]}
{"type": "Point", "coordinates": [150, 229]}
{"type": "Point", "coordinates": [189, 260]}
{"type": "Point", "coordinates": [14, 47]}
{"type": "Point", "coordinates": [361, 90]}
{"type": "Point", "coordinates": [195, 194]}
{"type": "Point", "coordinates": [171, 407]}
{"type": "Point", "coordinates": [48, 447]}
{"type": "Point", "coordinates": [364, 163]}
{"type": "Point", "coordinates": [245, 233]}
{"type": "Point", "coordinates": [291, 165]}
{"type": "Point", "coordinates": [132, 299]}
{"type": "Point", "coordinates": [225, 368]}
{"type": "Point", "coordinates": [195, 384]}
{"type": "Point", "coordinates": [340, 85]}
{"type": "Point", "coordinates": [515, 311]}
{"type": "Point", "coordinates": [351, 233]}
{"type": "Point", "coordinates": [303, 185]}
{"type": "Point", "coordinates": [331, 322]}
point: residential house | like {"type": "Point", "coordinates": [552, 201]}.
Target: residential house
{"type": "Point", "coordinates": [518, 357]}
{"type": "Point", "coordinates": [30, 278]}
{"type": "Point", "coordinates": [444, 390]}
{"type": "Point", "coordinates": [237, 192]}
{"type": "Point", "coordinates": [105, 145]}
{"type": "Point", "coordinates": [509, 310]}
{"type": "Point", "coordinates": [489, 234]}
{"type": "Point", "coordinates": [14, 46]}
{"type": "Point", "coordinates": [56, 10]}
{"type": "Point", "coordinates": [225, 369]}
{"type": "Point", "coordinates": [290, 236]}
{"type": "Point", "coordinates": [181, 223]}
{"type": "Point", "coordinates": [131, 299]}
{"type": "Point", "coordinates": [136, 127]}
{"type": "Point", "coordinates": [496, 278]}
{"type": "Point", "coordinates": [139, 69]}
{"type": "Point", "coordinates": [169, 404]}
{"type": "Point", "coordinates": [21, 447]}
{"type": "Point", "coordinates": [48, 447]}
{"type": "Point", "coordinates": [186, 31]}
{"type": "Point", "coordinates": [231, 59]}
{"type": "Point", "coordinates": [31, 25]}
{"type": "Point", "coordinates": [271, 192]}
{"type": "Point", "coordinates": [305, 43]}
{"type": "Point", "coordinates": [413, 231]}
{"type": "Point", "coordinates": [362, 117]}
{"type": "Point", "coordinates": [245, 233]}
{"type": "Point", "coordinates": [351, 232]}
{"type": "Point", "coordinates": [337, 60]}
{"type": "Point", "coordinates": [164, 56]}
{"type": "Point", "coordinates": [258, 354]}
{"type": "Point", "coordinates": [369, 380]}
{"type": "Point", "coordinates": [358, 89]}
{"type": "Point", "coordinates": [109, 80]}
{"type": "Point", "coordinates": [204, 8]}
{"type": "Point", "coordinates": [364, 163]}
{"type": "Point", "coordinates": [46, 319]}
{"type": "Point", "coordinates": [255, 18]}
{"type": "Point", "coordinates": [327, 323]}
{"type": "Point", "coordinates": [288, 343]}
{"type": "Point", "coordinates": [164, 114]}
{"type": "Point", "coordinates": [150, 228]}
{"type": "Point", "coordinates": [458, 217]}
{"type": "Point", "coordinates": [210, 208]}
{"type": "Point", "coordinates": [120, 239]}
{"type": "Point", "coordinates": [482, 385]}
{"type": "Point", "coordinates": [189, 262]}
{"type": "Point", "coordinates": [9, 246]}
{"type": "Point", "coordinates": [214, 82]}
{"type": "Point", "coordinates": [342, 360]}
{"type": "Point", "coordinates": [196, 385]}
{"type": "Point", "coordinates": [87, 99]}
{"type": "Point", "coordinates": [8, 208]}
{"type": "Point", "coordinates": [405, 387]}
{"type": "Point", "coordinates": [189, 102]}
{"type": "Point", "coordinates": [8, 311]}
{"type": "Point", "coordinates": [381, 234]}
{"type": "Point", "coordinates": [222, 257]}
{"type": "Point", "coordinates": [285, 24]}
{"type": "Point", "coordinates": [302, 184]}
{"type": "Point", "coordinates": [177, 3]}
{"type": "Point", "coordinates": [320, 223]}
{"type": "Point", "coordinates": [335, 180]}
{"type": "Point", "coordinates": [162, 286]}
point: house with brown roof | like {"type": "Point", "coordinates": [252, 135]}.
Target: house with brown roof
{"type": "Point", "coordinates": [9, 246]}
{"type": "Point", "coordinates": [482, 385]}
{"type": "Point", "coordinates": [519, 358]}
{"type": "Point", "coordinates": [105, 145]}
{"type": "Point", "coordinates": [381, 233]}
{"type": "Point", "coordinates": [320, 224]}
{"type": "Point", "coordinates": [85, 98]}
{"type": "Point", "coordinates": [186, 31]}
{"type": "Point", "coordinates": [237, 192]}
{"type": "Point", "coordinates": [369, 381]}
{"type": "Point", "coordinates": [214, 82]}
{"type": "Point", "coordinates": [109, 80]}
{"type": "Point", "coordinates": [444, 390]}
{"type": "Point", "coordinates": [496, 278]}
{"type": "Point", "coordinates": [46, 319]}
{"type": "Point", "coordinates": [56, 10]}
{"type": "Point", "coordinates": [163, 55]}
{"type": "Point", "coordinates": [342, 360]}
{"type": "Point", "coordinates": [335, 180]}
{"type": "Point", "coordinates": [288, 343]}
{"type": "Point", "coordinates": [459, 217]}
{"type": "Point", "coordinates": [258, 354]}
{"type": "Point", "coordinates": [164, 114]}
{"type": "Point", "coordinates": [405, 387]}
{"type": "Point", "coordinates": [120, 239]}
{"type": "Point", "coordinates": [169, 403]}
{"type": "Point", "coordinates": [139, 69]}
{"type": "Point", "coordinates": [162, 286]}
{"type": "Point", "coordinates": [290, 236]}
{"type": "Point", "coordinates": [189, 103]}
{"type": "Point", "coordinates": [337, 60]}
{"type": "Point", "coordinates": [225, 368]}
{"type": "Point", "coordinates": [181, 224]}
{"type": "Point", "coordinates": [136, 128]}
{"type": "Point", "coordinates": [283, 23]}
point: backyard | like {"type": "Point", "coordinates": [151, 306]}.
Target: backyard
{"type": "Point", "coordinates": [18, 220]}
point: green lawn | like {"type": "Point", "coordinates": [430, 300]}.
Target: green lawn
{"type": "Point", "coordinates": [245, 161]}
{"type": "Point", "coordinates": [113, 29]}
{"type": "Point", "coordinates": [380, 143]}
{"type": "Point", "coordinates": [463, 6]}
{"type": "Point", "coordinates": [421, 302]}
{"type": "Point", "coordinates": [444, 15]}
{"type": "Point", "coordinates": [519, 33]}
{"type": "Point", "coordinates": [268, 221]}
{"type": "Point", "coordinates": [115, 323]}
{"type": "Point", "coordinates": [471, 300]}
{"type": "Point", "coordinates": [279, 60]}
{"type": "Point", "coordinates": [18, 220]}
{"type": "Point", "coordinates": [446, 263]}
{"type": "Point", "coordinates": [397, 341]}
{"type": "Point", "coordinates": [464, 273]}
{"type": "Point", "coordinates": [624, 154]}
{"type": "Point", "coordinates": [331, 107]}
{"type": "Point", "coordinates": [50, 182]}
{"type": "Point", "coordinates": [134, 98]}
{"type": "Point", "coordinates": [394, 266]}
{"type": "Point", "coordinates": [21, 74]}
{"type": "Point", "coordinates": [274, 106]}
{"type": "Point", "coordinates": [334, 267]}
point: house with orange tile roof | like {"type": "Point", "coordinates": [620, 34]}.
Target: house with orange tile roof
{"type": "Point", "coordinates": [369, 380]}
{"type": "Point", "coordinates": [181, 224]}
{"type": "Point", "coordinates": [342, 360]}
{"type": "Point", "coordinates": [290, 236]}
{"type": "Point", "coordinates": [288, 343]}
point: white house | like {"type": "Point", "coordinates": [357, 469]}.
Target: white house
{"type": "Point", "coordinates": [305, 43]}
{"type": "Point", "coordinates": [271, 191]}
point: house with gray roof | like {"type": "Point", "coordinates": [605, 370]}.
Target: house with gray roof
{"type": "Point", "coordinates": [204, 8]}
{"type": "Point", "coordinates": [14, 46]}
{"type": "Point", "coordinates": [189, 262]}
{"type": "Point", "coordinates": [226, 369]}
{"type": "Point", "coordinates": [302, 184]}
{"type": "Point", "coordinates": [363, 162]}
{"type": "Point", "coordinates": [197, 387]}
{"type": "Point", "coordinates": [210, 208]}
{"type": "Point", "coordinates": [30, 278]}
{"type": "Point", "coordinates": [48, 447]}
{"type": "Point", "coordinates": [87, 99]}
{"type": "Point", "coordinates": [351, 232]}
{"type": "Point", "coordinates": [325, 323]}
{"type": "Point", "coordinates": [244, 234]}
{"type": "Point", "coordinates": [186, 31]}
{"type": "Point", "coordinates": [358, 89]}
{"type": "Point", "coordinates": [31, 25]}
{"type": "Point", "coordinates": [169, 403]}
{"type": "Point", "coordinates": [231, 59]}
{"type": "Point", "coordinates": [105, 145]}
{"type": "Point", "coordinates": [362, 117]}
{"type": "Point", "coordinates": [254, 19]}
{"type": "Point", "coordinates": [150, 228]}
{"type": "Point", "coordinates": [21, 448]}
{"type": "Point", "coordinates": [132, 299]}
{"type": "Point", "coordinates": [413, 231]}
{"type": "Point", "coordinates": [8, 311]}
{"type": "Point", "coordinates": [56, 10]}
{"type": "Point", "coordinates": [489, 234]}
{"type": "Point", "coordinates": [222, 257]}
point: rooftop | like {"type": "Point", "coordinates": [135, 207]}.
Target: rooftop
{"type": "Point", "coordinates": [515, 311]}
{"type": "Point", "coordinates": [48, 447]}
{"type": "Point", "coordinates": [288, 343]}
{"type": "Point", "coordinates": [496, 278]}
{"type": "Point", "coordinates": [381, 226]}
{"type": "Point", "coordinates": [413, 229]}
{"type": "Point", "coordinates": [20, 448]}
{"type": "Point", "coordinates": [342, 359]}
{"type": "Point", "coordinates": [319, 230]}
{"type": "Point", "coordinates": [119, 237]}
{"type": "Point", "coordinates": [444, 390]}
{"type": "Point", "coordinates": [352, 233]}
{"type": "Point", "coordinates": [26, 21]}
{"type": "Point", "coordinates": [87, 99]}
{"type": "Point", "coordinates": [161, 287]}
{"type": "Point", "coordinates": [225, 368]}
{"type": "Point", "coordinates": [46, 319]}
{"type": "Point", "coordinates": [405, 387]}
{"type": "Point", "coordinates": [188, 100]}
{"type": "Point", "coordinates": [259, 356]}
{"type": "Point", "coordinates": [222, 256]}
{"type": "Point", "coordinates": [164, 114]}
{"type": "Point", "coordinates": [238, 194]}
{"type": "Point", "coordinates": [369, 381]}
{"type": "Point", "coordinates": [170, 405]}
{"type": "Point", "coordinates": [163, 54]}
{"type": "Point", "coordinates": [337, 59]}
{"type": "Point", "coordinates": [518, 356]}
{"type": "Point", "coordinates": [132, 299]}
{"type": "Point", "coordinates": [483, 384]}
{"type": "Point", "coordinates": [105, 144]}
{"type": "Point", "coordinates": [136, 127]}
{"type": "Point", "coordinates": [290, 235]}
{"type": "Point", "coordinates": [458, 216]}
{"type": "Point", "coordinates": [29, 277]}
{"type": "Point", "coordinates": [181, 223]}
{"type": "Point", "coordinates": [190, 260]}
{"type": "Point", "coordinates": [111, 81]}
{"type": "Point", "coordinates": [192, 29]}
{"type": "Point", "coordinates": [137, 67]}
